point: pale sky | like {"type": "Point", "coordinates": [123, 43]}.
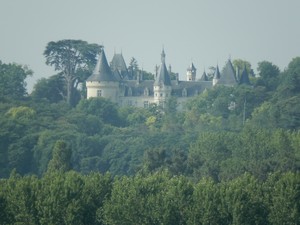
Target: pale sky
{"type": "Point", "coordinates": [205, 32]}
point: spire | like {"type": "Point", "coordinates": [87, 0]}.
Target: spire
{"type": "Point", "coordinates": [102, 71]}
{"type": "Point", "coordinates": [204, 76]}
{"type": "Point", "coordinates": [163, 76]}
{"type": "Point", "coordinates": [217, 74]}
{"type": "Point", "coordinates": [193, 68]}
{"type": "Point", "coordinates": [163, 56]}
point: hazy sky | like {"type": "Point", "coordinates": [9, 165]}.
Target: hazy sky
{"type": "Point", "coordinates": [206, 32]}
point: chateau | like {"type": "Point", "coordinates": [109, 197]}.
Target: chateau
{"type": "Point", "coordinates": [113, 82]}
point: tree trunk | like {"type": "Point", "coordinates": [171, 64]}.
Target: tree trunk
{"type": "Point", "coordinates": [69, 90]}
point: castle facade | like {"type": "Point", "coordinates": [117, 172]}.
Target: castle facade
{"type": "Point", "coordinates": [114, 82]}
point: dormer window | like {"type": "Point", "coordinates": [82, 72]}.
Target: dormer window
{"type": "Point", "coordinates": [146, 92]}
{"type": "Point", "coordinates": [129, 91]}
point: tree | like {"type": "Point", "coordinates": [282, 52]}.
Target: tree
{"type": "Point", "coordinates": [241, 64]}
{"type": "Point", "coordinates": [133, 68]}
{"type": "Point", "coordinates": [61, 159]}
{"type": "Point", "coordinates": [74, 58]}
{"type": "Point", "coordinates": [12, 80]}
{"type": "Point", "coordinates": [268, 74]}
{"type": "Point", "coordinates": [52, 89]}
{"type": "Point", "coordinates": [102, 108]}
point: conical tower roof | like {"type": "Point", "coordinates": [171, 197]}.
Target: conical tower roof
{"type": "Point", "coordinates": [191, 67]}
{"type": "Point", "coordinates": [118, 63]}
{"type": "Point", "coordinates": [102, 71]}
{"type": "Point", "coordinates": [204, 77]}
{"type": "Point", "coordinates": [245, 77]}
{"type": "Point", "coordinates": [217, 74]}
{"type": "Point", "coordinates": [228, 75]}
{"type": "Point", "coordinates": [163, 76]}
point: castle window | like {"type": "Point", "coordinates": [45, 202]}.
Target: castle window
{"type": "Point", "coordinates": [146, 92]}
{"type": "Point", "coordinates": [161, 94]}
{"type": "Point", "coordinates": [184, 93]}
{"type": "Point", "coordinates": [99, 93]}
{"type": "Point", "coordinates": [129, 92]}
{"type": "Point", "coordinates": [146, 104]}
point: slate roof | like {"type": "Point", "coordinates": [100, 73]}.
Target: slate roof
{"type": "Point", "coordinates": [203, 77]}
{"type": "Point", "coordinates": [245, 77]}
{"type": "Point", "coordinates": [228, 75]}
{"type": "Point", "coordinates": [217, 74]}
{"type": "Point", "coordinates": [192, 87]}
{"type": "Point", "coordinates": [138, 88]}
{"type": "Point", "coordinates": [118, 63]}
{"type": "Point", "coordinates": [102, 71]}
{"type": "Point", "coordinates": [192, 67]}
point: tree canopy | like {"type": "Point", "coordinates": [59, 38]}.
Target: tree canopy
{"type": "Point", "coordinates": [12, 80]}
{"type": "Point", "coordinates": [74, 59]}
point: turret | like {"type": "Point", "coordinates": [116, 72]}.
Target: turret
{"type": "Point", "coordinates": [244, 77]}
{"type": "Point", "coordinates": [191, 73]}
{"type": "Point", "coordinates": [162, 84]}
{"type": "Point", "coordinates": [103, 82]}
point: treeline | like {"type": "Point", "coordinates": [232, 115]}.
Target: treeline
{"type": "Point", "coordinates": [159, 198]}
{"type": "Point", "coordinates": [152, 142]}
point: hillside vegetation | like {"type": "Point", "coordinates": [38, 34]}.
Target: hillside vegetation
{"type": "Point", "coordinates": [231, 157]}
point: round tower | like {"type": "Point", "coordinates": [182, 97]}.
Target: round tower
{"type": "Point", "coordinates": [216, 77]}
{"type": "Point", "coordinates": [103, 83]}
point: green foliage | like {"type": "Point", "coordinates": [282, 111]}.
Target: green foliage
{"type": "Point", "coordinates": [61, 158]}
{"type": "Point", "coordinates": [12, 80]}
{"type": "Point", "coordinates": [53, 89]}
{"type": "Point", "coordinates": [74, 59]}
{"type": "Point", "coordinates": [159, 198]}
{"type": "Point", "coordinates": [268, 75]}
{"type": "Point", "coordinates": [102, 108]}
{"type": "Point", "coordinates": [241, 64]}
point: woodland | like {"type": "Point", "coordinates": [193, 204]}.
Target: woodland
{"type": "Point", "coordinates": [232, 156]}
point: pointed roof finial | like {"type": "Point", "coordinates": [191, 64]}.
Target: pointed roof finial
{"type": "Point", "coordinates": [163, 56]}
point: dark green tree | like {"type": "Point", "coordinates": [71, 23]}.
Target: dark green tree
{"type": "Point", "coordinates": [53, 89]}
{"type": "Point", "coordinates": [104, 109]}
{"type": "Point", "coordinates": [268, 75]}
{"type": "Point", "coordinates": [61, 159]}
{"type": "Point", "coordinates": [133, 68]}
{"type": "Point", "coordinates": [240, 65]}
{"type": "Point", "coordinates": [74, 59]}
{"type": "Point", "coordinates": [12, 80]}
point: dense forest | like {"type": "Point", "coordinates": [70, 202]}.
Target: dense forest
{"type": "Point", "coordinates": [231, 157]}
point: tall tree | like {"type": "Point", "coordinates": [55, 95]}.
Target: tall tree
{"type": "Point", "coordinates": [12, 80]}
{"type": "Point", "coordinates": [74, 58]}
{"type": "Point", "coordinates": [61, 159]}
